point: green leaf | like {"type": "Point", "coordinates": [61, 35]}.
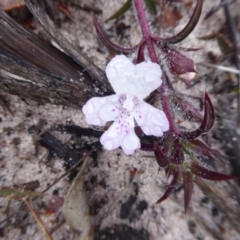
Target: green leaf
{"type": "Point", "coordinates": [17, 193]}
{"type": "Point", "coordinates": [151, 5]}
{"type": "Point", "coordinates": [127, 5]}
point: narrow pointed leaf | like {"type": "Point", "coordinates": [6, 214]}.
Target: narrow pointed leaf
{"type": "Point", "coordinates": [188, 111]}
{"type": "Point", "coordinates": [189, 27]}
{"type": "Point", "coordinates": [161, 158]}
{"type": "Point", "coordinates": [126, 6]}
{"type": "Point", "coordinates": [151, 5]}
{"type": "Point", "coordinates": [171, 187]}
{"type": "Point", "coordinates": [140, 56]}
{"type": "Point", "coordinates": [174, 57]}
{"type": "Point", "coordinates": [17, 193]}
{"type": "Point", "coordinates": [147, 147]}
{"type": "Point", "coordinates": [208, 174]}
{"type": "Point", "coordinates": [207, 123]}
{"type": "Point", "coordinates": [204, 149]}
{"type": "Point", "coordinates": [189, 49]}
{"type": "Point", "coordinates": [188, 189]}
{"type": "Point", "coordinates": [103, 36]}
{"type": "Point", "coordinates": [202, 185]}
{"type": "Point", "coordinates": [178, 156]}
{"type": "Point", "coordinates": [138, 131]}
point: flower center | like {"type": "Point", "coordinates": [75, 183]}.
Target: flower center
{"type": "Point", "coordinates": [128, 103]}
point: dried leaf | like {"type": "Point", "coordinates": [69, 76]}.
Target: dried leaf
{"type": "Point", "coordinates": [8, 5]}
{"type": "Point", "coordinates": [76, 210]}
{"type": "Point", "coordinates": [170, 16]}
{"type": "Point", "coordinates": [17, 193]}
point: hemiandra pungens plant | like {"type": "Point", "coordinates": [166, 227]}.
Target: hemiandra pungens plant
{"type": "Point", "coordinates": [176, 151]}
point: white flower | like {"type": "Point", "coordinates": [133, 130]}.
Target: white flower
{"type": "Point", "coordinates": [132, 83]}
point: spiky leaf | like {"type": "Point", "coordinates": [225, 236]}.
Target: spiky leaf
{"type": "Point", "coordinates": [207, 123]}
{"type": "Point", "coordinates": [161, 158]}
{"type": "Point", "coordinates": [204, 149]}
{"type": "Point", "coordinates": [208, 174]}
{"type": "Point", "coordinates": [178, 156]}
{"type": "Point", "coordinates": [188, 188]}
{"type": "Point", "coordinates": [171, 187]}
{"type": "Point", "coordinates": [103, 36]}
{"type": "Point", "coordinates": [189, 112]}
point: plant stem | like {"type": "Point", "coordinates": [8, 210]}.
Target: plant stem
{"type": "Point", "coordinates": [147, 37]}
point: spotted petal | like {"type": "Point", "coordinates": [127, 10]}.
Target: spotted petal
{"type": "Point", "coordinates": [121, 133]}
{"type": "Point", "coordinates": [138, 80]}
{"type": "Point", "coordinates": [99, 110]}
{"type": "Point", "coordinates": [151, 120]}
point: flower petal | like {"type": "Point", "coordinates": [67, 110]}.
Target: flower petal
{"type": "Point", "coordinates": [99, 110]}
{"type": "Point", "coordinates": [138, 80]}
{"type": "Point", "coordinates": [130, 142]}
{"type": "Point", "coordinates": [121, 133]}
{"type": "Point", "coordinates": [151, 120]}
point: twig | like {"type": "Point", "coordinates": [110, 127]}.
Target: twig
{"type": "Point", "coordinates": [38, 219]}
{"type": "Point", "coordinates": [220, 67]}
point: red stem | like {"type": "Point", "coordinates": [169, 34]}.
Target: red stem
{"type": "Point", "coordinates": [147, 37]}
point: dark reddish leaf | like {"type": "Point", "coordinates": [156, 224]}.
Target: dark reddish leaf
{"type": "Point", "coordinates": [188, 49]}
{"type": "Point", "coordinates": [208, 174]}
{"type": "Point", "coordinates": [188, 28]}
{"type": "Point", "coordinates": [204, 186]}
{"type": "Point", "coordinates": [125, 7]}
{"type": "Point", "coordinates": [138, 131]}
{"type": "Point", "coordinates": [140, 56]}
{"type": "Point", "coordinates": [178, 156]}
{"type": "Point", "coordinates": [204, 149]}
{"type": "Point", "coordinates": [174, 57]}
{"type": "Point", "coordinates": [103, 36]}
{"type": "Point", "coordinates": [206, 124]}
{"type": "Point", "coordinates": [188, 111]}
{"type": "Point", "coordinates": [188, 189]}
{"type": "Point", "coordinates": [161, 158]}
{"type": "Point", "coordinates": [171, 187]}
{"type": "Point", "coordinates": [147, 147]}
